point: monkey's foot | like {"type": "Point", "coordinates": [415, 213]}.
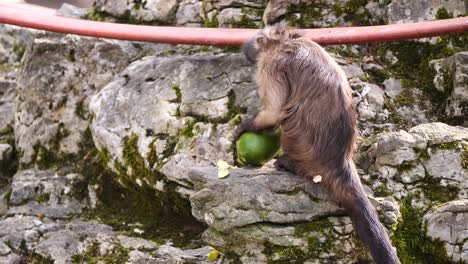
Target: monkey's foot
{"type": "Point", "coordinates": [283, 163]}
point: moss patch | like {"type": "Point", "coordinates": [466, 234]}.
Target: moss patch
{"type": "Point", "coordinates": [410, 239]}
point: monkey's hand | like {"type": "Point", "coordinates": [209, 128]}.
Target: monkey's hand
{"type": "Point", "coordinates": [249, 125]}
{"type": "Point", "coordinates": [246, 125]}
{"type": "Point", "coordinates": [283, 163]}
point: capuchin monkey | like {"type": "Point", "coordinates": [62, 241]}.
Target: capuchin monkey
{"type": "Point", "coordinates": [305, 93]}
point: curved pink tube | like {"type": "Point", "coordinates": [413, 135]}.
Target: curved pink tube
{"type": "Point", "coordinates": [42, 18]}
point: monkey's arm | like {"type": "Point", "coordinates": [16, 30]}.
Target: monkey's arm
{"type": "Point", "coordinates": [263, 120]}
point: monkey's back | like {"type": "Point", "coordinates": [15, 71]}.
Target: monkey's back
{"type": "Point", "coordinates": [317, 115]}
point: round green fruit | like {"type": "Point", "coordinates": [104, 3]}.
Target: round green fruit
{"type": "Point", "coordinates": [257, 148]}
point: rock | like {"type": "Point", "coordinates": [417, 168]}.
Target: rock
{"type": "Point", "coordinates": [71, 11]}
{"type": "Point", "coordinates": [189, 13]}
{"type": "Point", "coordinates": [136, 243]}
{"type": "Point", "coordinates": [449, 223]}
{"type": "Point", "coordinates": [155, 11]}
{"type": "Point", "coordinates": [427, 152]}
{"type": "Point", "coordinates": [172, 255]}
{"type": "Point", "coordinates": [451, 78]}
{"type": "Point", "coordinates": [237, 16]}
{"type": "Point", "coordinates": [257, 214]}
{"type": "Point", "coordinates": [306, 14]}
{"type": "Point", "coordinates": [392, 87]}
{"type": "Point", "coordinates": [61, 74]}
{"type": "Point", "coordinates": [248, 196]}
{"type": "Point", "coordinates": [45, 192]}
{"type": "Point", "coordinates": [6, 152]}
{"type": "Point", "coordinates": [7, 100]}
{"type": "Point", "coordinates": [401, 11]}
{"type": "Point", "coordinates": [13, 43]}
{"type": "Point", "coordinates": [4, 249]}
{"type": "Point", "coordinates": [61, 245]}
{"type": "Point", "coordinates": [177, 108]}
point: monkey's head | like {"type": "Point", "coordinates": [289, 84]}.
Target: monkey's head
{"type": "Point", "coordinates": [267, 38]}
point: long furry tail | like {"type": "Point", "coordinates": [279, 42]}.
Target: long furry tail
{"type": "Point", "coordinates": [349, 194]}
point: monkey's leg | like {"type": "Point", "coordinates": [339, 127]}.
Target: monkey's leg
{"type": "Point", "coordinates": [263, 121]}
{"type": "Point", "coordinates": [283, 163]}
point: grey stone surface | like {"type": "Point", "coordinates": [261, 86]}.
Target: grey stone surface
{"type": "Point", "coordinates": [168, 99]}
{"type": "Point", "coordinates": [449, 223]}
{"type": "Point", "coordinates": [148, 11]}
{"type": "Point", "coordinates": [401, 11]}
{"type": "Point", "coordinates": [60, 74]}
{"type": "Point", "coordinates": [248, 196]}
{"type": "Point", "coordinates": [71, 11]}
{"type": "Point", "coordinates": [452, 78]}
{"type": "Point", "coordinates": [6, 152]}
{"type": "Point", "coordinates": [434, 150]}
{"type": "Point", "coordinates": [46, 192]}
{"type": "Point", "coordinates": [189, 12]}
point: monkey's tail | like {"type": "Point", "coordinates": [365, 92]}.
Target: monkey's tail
{"type": "Point", "coordinates": [349, 193]}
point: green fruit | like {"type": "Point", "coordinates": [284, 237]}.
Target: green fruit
{"type": "Point", "coordinates": [257, 148]}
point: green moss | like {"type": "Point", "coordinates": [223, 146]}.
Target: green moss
{"type": "Point", "coordinates": [92, 256]}
{"type": "Point", "coordinates": [230, 257]}
{"type": "Point", "coordinates": [6, 197]}
{"type": "Point", "coordinates": [71, 55]}
{"type": "Point", "coordinates": [445, 145]}
{"type": "Point", "coordinates": [309, 15]}
{"type": "Point", "coordinates": [464, 156]}
{"type": "Point", "coordinates": [96, 15]}
{"type": "Point", "coordinates": [410, 239]}
{"type": "Point", "coordinates": [442, 13]}
{"type": "Point", "coordinates": [79, 109]}
{"type": "Point", "coordinates": [19, 50]}
{"type": "Point", "coordinates": [162, 215]}
{"type": "Point", "coordinates": [354, 12]}
{"type": "Point", "coordinates": [43, 198]}
{"type": "Point", "coordinates": [405, 98]}
{"type": "Point", "coordinates": [167, 53]}
{"type": "Point", "coordinates": [178, 94]}
{"type": "Point", "coordinates": [210, 23]}
{"type": "Point", "coordinates": [281, 254]}
{"type": "Point", "coordinates": [437, 193]}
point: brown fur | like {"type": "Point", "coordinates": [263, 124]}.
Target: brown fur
{"type": "Point", "coordinates": [304, 92]}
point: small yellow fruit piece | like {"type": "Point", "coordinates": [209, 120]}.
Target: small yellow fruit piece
{"type": "Point", "coordinates": [213, 255]}
{"type": "Point", "coordinates": [40, 216]}
{"type": "Point", "coordinates": [223, 169]}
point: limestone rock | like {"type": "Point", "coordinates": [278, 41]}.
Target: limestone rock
{"type": "Point", "coordinates": [5, 153]}
{"type": "Point", "coordinates": [172, 255]}
{"type": "Point", "coordinates": [71, 11]}
{"type": "Point", "coordinates": [425, 152]}
{"type": "Point", "coordinates": [156, 11]}
{"type": "Point", "coordinates": [36, 192]}
{"type": "Point", "coordinates": [449, 223]}
{"type": "Point", "coordinates": [248, 196]}
{"type": "Point", "coordinates": [451, 77]}
{"type": "Point", "coordinates": [61, 74]}
{"type": "Point", "coordinates": [189, 13]}
{"type": "Point", "coordinates": [324, 13]}
{"type": "Point", "coordinates": [401, 11]}
{"type": "Point", "coordinates": [179, 108]}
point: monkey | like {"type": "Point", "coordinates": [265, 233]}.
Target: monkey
{"type": "Point", "coordinates": [305, 93]}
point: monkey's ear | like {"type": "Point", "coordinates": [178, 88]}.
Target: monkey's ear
{"type": "Point", "coordinates": [261, 41]}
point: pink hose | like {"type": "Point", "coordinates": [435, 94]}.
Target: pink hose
{"type": "Point", "coordinates": [31, 16]}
